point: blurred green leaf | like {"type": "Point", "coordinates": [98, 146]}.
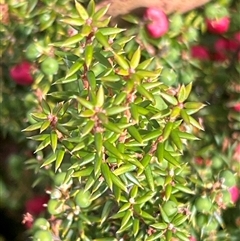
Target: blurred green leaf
{"type": "Point", "coordinates": [84, 172]}
{"type": "Point", "coordinates": [101, 12]}
{"type": "Point", "coordinates": [134, 133]}
{"type": "Point", "coordinates": [106, 210]}
{"type": "Point", "coordinates": [43, 144]}
{"type": "Point", "coordinates": [145, 198]}
{"type": "Point", "coordinates": [114, 110]}
{"type": "Point", "coordinates": [51, 158]}
{"type": "Point", "coordinates": [91, 8]}
{"type": "Point", "coordinates": [145, 93]}
{"type": "Point", "coordinates": [118, 182]}
{"type": "Point", "coordinates": [72, 40]}
{"type": "Point", "coordinates": [110, 31]}
{"type": "Point", "coordinates": [135, 58]}
{"type": "Point", "coordinates": [149, 177]}
{"type": "Point", "coordinates": [124, 168]}
{"type": "Point", "coordinates": [107, 175]}
{"type": "Point", "coordinates": [74, 68]}
{"type": "Point", "coordinates": [167, 156]}
{"type": "Point", "coordinates": [54, 140]}
{"type": "Point", "coordinates": [45, 125]}
{"type": "Point", "coordinates": [125, 220]}
{"type": "Point", "coordinates": [159, 226]}
{"type": "Point", "coordinates": [88, 54]}
{"type": "Point", "coordinates": [169, 98]}
{"type": "Point", "coordinates": [81, 11]}
{"type": "Point", "coordinates": [85, 103]}
{"type": "Point", "coordinates": [73, 21]}
{"type": "Point", "coordinates": [59, 158]}
{"type": "Point", "coordinates": [102, 40]}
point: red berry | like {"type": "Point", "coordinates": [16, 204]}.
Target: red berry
{"type": "Point", "coordinates": [221, 45]}
{"type": "Point", "coordinates": [21, 73]}
{"type": "Point", "coordinates": [219, 57]}
{"type": "Point", "coordinates": [233, 45]}
{"type": "Point", "coordinates": [35, 205]}
{"type": "Point", "coordinates": [237, 37]}
{"type": "Point", "coordinates": [157, 22]}
{"type": "Point", "coordinates": [200, 52]}
{"type": "Point", "coordinates": [199, 161]}
{"type": "Point", "coordinates": [236, 107]}
{"type": "Point", "coordinates": [218, 26]}
{"type": "Point", "coordinates": [235, 193]}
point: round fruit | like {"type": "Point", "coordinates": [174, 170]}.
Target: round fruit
{"type": "Point", "coordinates": [170, 208]}
{"type": "Point", "coordinates": [226, 197]}
{"type": "Point", "coordinates": [200, 52]}
{"type": "Point", "coordinates": [61, 183]}
{"type": "Point", "coordinates": [218, 26]}
{"type": "Point", "coordinates": [59, 178]}
{"type": "Point", "coordinates": [237, 37]}
{"type": "Point", "coordinates": [236, 107]}
{"type": "Point", "coordinates": [44, 18]}
{"type": "Point", "coordinates": [201, 220]}
{"type": "Point", "coordinates": [32, 52]}
{"type": "Point", "coordinates": [203, 204]}
{"type": "Point", "coordinates": [56, 194]}
{"type": "Point", "coordinates": [168, 76]}
{"type": "Point", "coordinates": [21, 73]}
{"type": "Point", "coordinates": [191, 34]}
{"type": "Point", "coordinates": [187, 76]}
{"type": "Point", "coordinates": [35, 205]}
{"type": "Point", "coordinates": [173, 55]}
{"type": "Point", "coordinates": [219, 57]}
{"type": "Point", "coordinates": [41, 223]}
{"type": "Point", "coordinates": [157, 22]}
{"type": "Point", "coordinates": [221, 45]}
{"type": "Point", "coordinates": [54, 206]}
{"type": "Point", "coordinates": [211, 226]}
{"type": "Point", "coordinates": [82, 199]}
{"type": "Point", "coordinates": [217, 162]}
{"type": "Point", "coordinates": [227, 178]}
{"type": "Point", "coordinates": [159, 181]}
{"type": "Point", "coordinates": [42, 235]}
{"type": "Point", "coordinates": [176, 23]}
{"type": "Point", "coordinates": [235, 193]}
{"type": "Point", "coordinates": [49, 66]}
{"type": "Point", "coordinates": [217, 18]}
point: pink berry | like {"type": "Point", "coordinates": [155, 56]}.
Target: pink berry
{"type": "Point", "coordinates": [236, 107]}
{"type": "Point", "coordinates": [233, 45]}
{"type": "Point", "coordinates": [157, 22]}
{"type": "Point", "coordinates": [219, 57]}
{"type": "Point", "coordinates": [221, 45]}
{"type": "Point", "coordinates": [199, 161]}
{"type": "Point", "coordinates": [218, 26]}
{"type": "Point", "coordinates": [192, 238]}
{"type": "Point", "coordinates": [21, 73]}
{"type": "Point", "coordinates": [235, 192]}
{"type": "Point", "coordinates": [200, 52]}
{"type": "Point", "coordinates": [35, 206]}
{"type": "Point", "coordinates": [237, 37]}
{"type": "Point", "coordinates": [236, 154]}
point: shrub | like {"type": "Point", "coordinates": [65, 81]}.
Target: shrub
{"type": "Point", "coordinates": [112, 120]}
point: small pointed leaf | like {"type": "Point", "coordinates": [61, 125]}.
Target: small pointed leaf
{"type": "Point", "coordinates": [81, 11]}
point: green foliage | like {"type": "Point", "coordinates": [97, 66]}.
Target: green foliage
{"type": "Point", "coordinates": [112, 120]}
{"type": "Point", "coordinates": [111, 125]}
